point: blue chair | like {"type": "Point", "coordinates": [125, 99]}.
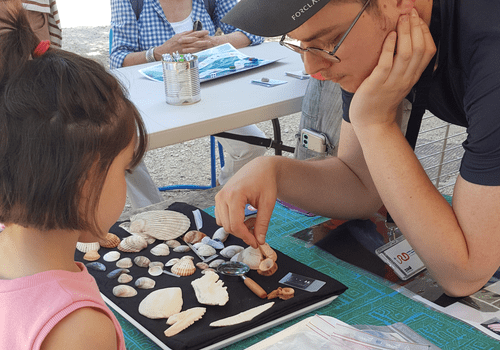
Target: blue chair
{"type": "Point", "coordinates": [213, 160]}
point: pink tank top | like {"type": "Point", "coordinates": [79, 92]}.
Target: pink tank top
{"type": "Point", "coordinates": [31, 306]}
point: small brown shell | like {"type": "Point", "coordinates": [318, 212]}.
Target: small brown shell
{"type": "Point", "coordinates": [124, 291]}
{"type": "Point", "coordinates": [91, 255]}
{"type": "Point", "coordinates": [182, 249]}
{"type": "Point", "coordinates": [142, 261]}
{"type": "Point", "coordinates": [125, 278]}
{"type": "Point", "coordinates": [267, 267]}
{"type": "Point", "coordinates": [194, 236]}
{"type": "Point", "coordinates": [172, 243]}
{"type": "Point", "coordinates": [145, 283]}
{"type": "Point", "coordinates": [185, 267]}
{"type": "Point", "coordinates": [202, 265]}
{"type": "Point", "coordinates": [124, 263]}
{"type": "Point", "coordinates": [133, 244]}
{"type": "Point", "coordinates": [110, 241]}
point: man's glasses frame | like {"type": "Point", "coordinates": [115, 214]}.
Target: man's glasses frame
{"type": "Point", "coordinates": [320, 52]}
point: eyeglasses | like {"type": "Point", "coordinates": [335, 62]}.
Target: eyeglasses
{"type": "Point", "coordinates": [320, 52]}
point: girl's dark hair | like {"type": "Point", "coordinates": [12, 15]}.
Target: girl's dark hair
{"type": "Point", "coordinates": [63, 120]}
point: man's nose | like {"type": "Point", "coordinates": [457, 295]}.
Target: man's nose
{"type": "Point", "coordinates": [314, 63]}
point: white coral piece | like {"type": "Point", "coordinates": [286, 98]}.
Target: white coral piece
{"type": "Point", "coordinates": [209, 290]}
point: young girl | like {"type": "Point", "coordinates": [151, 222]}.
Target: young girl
{"type": "Point", "coordinates": [68, 135]}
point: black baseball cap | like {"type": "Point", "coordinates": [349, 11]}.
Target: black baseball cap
{"type": "Point", "coordinates": [272, 17]}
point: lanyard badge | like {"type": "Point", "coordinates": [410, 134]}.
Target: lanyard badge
{"type": "Point", "coordinates": [399, 254]}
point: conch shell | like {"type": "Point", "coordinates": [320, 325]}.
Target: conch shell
{"type": "Point", "coordinates": [185, 267]}
{"type": "Point", "coordinates": [209, 290]}
{"type": "Point", "coordinates": [183, 320]}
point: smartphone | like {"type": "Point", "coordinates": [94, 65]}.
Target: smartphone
{"type": "Point", "coordinates": [313, 140]}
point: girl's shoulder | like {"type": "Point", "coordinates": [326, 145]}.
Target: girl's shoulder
{"type": "Point", "coordinates": [85, 328]}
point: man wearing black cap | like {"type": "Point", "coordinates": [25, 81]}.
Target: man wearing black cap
{"type": "Point", "coordinates": [377, 50]}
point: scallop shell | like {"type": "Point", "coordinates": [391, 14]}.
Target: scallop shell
{"type": "Point", "coordinates": [172, 243]}
{"type": "Point", "coordinates": [142, 261]}
{"type": "Point", "coordinates": [87, 247]}
{"type": "Point", "coordinates": [162, 303]}
{"type": "Point", "coordinates": [220, 234]}
{"type": "Point", "coordinates": [124, 291]}
{"type": "Point", "coordinates": [132, 244]}
{"type": "Point", "coordinates": [252, 257]}
{"type": "Point", "coordinates": [209, 290]}
{"type": "Point", "coordinates": [231, 251]}
{"type": "Point", "coordinates": [206, 250]}
{"type": "Point", "coordinates": [96, 266]}
{"type": "Point", "coordinates": [116, 273]}
{"type": "Point", "coordinates": [216, 263]}
{"type": "Point", "coordinates": [162, 224]}
{"type": "Point", "coordinates": [185, 267]}
{"type": "Point", "coordinates": [267, 267]}
{"type": "Point", "coordinates": [145, 283]}
{"type": "Point", "coordinates": [125, 278]}
{"type": "Point", "coordinates": [216, 244]}
{"type": "Point", "coordinates": [160, 250]}
{"type": "Point", "coordinates": [172, 262]}
{"type": "Point", "coordinates": [194, 236]}
{"type": "Point", "coordinates": [124, 263]}
{"type": "Point", "coordinates": [110, 241]}
{"type": "Point", "coordinates": [182, 249]}
{"type": "Point", "coordinates": [183, 320]}
{"type": "Point", "coordinates": [111, 256]}
{"type": "Point", "coordinates": [91, 255]}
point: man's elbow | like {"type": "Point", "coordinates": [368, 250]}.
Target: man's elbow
{"type": "Point", "coordinates": [459, 289]}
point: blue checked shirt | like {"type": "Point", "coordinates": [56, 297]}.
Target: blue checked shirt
{"type": "Point", "coordinates": [152, 29]}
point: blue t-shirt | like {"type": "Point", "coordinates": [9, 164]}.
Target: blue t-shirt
{"type": "Point", "coordinates": [465, 88]}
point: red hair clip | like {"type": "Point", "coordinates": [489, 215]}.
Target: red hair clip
{"type": "Point", "coordinates": [41, 48]}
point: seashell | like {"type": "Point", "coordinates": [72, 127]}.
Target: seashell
{"type": "Point", "coordinates": [116, 273]}
{"type": "Point", "coordinates": [137, 226]}
{"type": "Point", "coordinates": [221, 235]}
{"type": "Point", "coordinates": [202, 265]}
{"type": "Point", "coordinates": [155, 270]}
{"type": "Point", "coordinates": [194, 236]}
{"type": "Point", "coordinates": [87, 247]}
{"type": "Point", "coordinates": [185, 267]}
{"type": "Point", "coordinates": [282, 293]}
{"type": "Point", "coordinates": [236, 257]}
{"type": "Point", "coordinates": [182, 249]}
{"type": "Point", "coordinates": [142, 261]}
{"type": "Point", "coordinates": [197, 245]}
{"type": "Point", "coordinates": [172, 243]}
{"type": "Point", "coordinates": [231, 251]}
{"type": "Point", "coordinates": [216, 263]}
{"type": "Point", "coordinates": [206, 250]}
{"type": "Point", "coordinates": [124, 291]}
{"type": "Point", "coordinates": [268, 252]}
{"type": "Point", "coordinates": [91, 255]}
{"type": "Point", "coordinates": [161, 224]}
{"type": "Point", "coordinates": [252, 257]}
{"type": "Point", "coordinates": [110, 241]}
{"type": "Point", "coordinates": [160, 250]}
{"type": "Point", "coordinates": [124, 263]}
{"type": "Point", "coordinates": [149, 239]}
{"type": "Point", "coordinates": [242, 316]}
{"type": "Point", "coordinates": [208, 270]}
{"type": "Point", "coordinates": [96, 266]}
{"type": "Point", "coordinates": [213, 243]}
{"type": "Point", "coordinates": [183, 320]}
{"type": "Point", "coordinates": [111, 256]}
{"type": "Point", "coordinates": [156, 263]}
{"type": "Point", "coordinates": [209, 290]}
{"type": "Point", "coordinates": [267, 267]}
{"type": "Point", "coordinates": [172, 262]}
{"type": "Point", "coordinates": [132, 244]}
{"type": "Point", "coordinates": [125, 278]}
{"type": "Point", "coordinates": [162, 303]}
{"type": "Point", "coordinates": [145, 283]}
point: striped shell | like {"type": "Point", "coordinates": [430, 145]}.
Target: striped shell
{"type": "Point", "coordinates": [125, 278]}
{"type": "Point", "coordinates": [206, 250]}
{"type": "Point", "coordinates": [132, 244]}
{"type": "Point", "coordinates": [193, 236]}
{"type": "Point", "coordinates": [160, 250]}
{"type": "Point", "coordinates": [172, 243]}
{"type": "Point", "coordinates": [110, 241]}
{"type": "Point", "coordinates": [162, 224]}
{"type": "Point", "coordinates": [91, 255]}
{"type": "Point", "coordinates": [185, 267]}
{"type": "Point", "coordinates": [145, 283]}
{"type": "Point", "coordinates": [124, 263]}
{"type": "Point", "coordinates": [124, 291]}
{"type": "Point", "coordinates": [87, 247]}
{"type": "Point", "coordinates": [142, 261]}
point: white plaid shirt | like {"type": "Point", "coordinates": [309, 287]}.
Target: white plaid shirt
{"type": "Point", "coordinates": [153, 29]}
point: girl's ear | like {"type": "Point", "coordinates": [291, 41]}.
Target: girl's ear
{"type": "Point", "coordinates": [404, 6]}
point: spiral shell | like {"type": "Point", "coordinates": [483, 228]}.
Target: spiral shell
{"type": "Point", "coordinates": [145, 283]}
{"type": "Point", "coordinates": [124, 291]}
{"type": "Point", "coordinates": [110, 241]}
{"type": "Point", "coordinates": [133, 244]}
{"type": "Point", "coordinates": [91, 255]}
{"type": "Point", "coordinates": [185, 267]}
{"type": "Point", "coordinates": [142, 261]}
{"type": "Point", "coordinates": [160, 250]}
{"type": "Point", "coordinates": [194, 236]}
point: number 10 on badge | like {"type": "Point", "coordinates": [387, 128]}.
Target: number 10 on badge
{"type": "Point", "coordinates": [401, 257]}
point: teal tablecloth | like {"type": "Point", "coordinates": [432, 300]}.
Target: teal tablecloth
{"type": "Point", "coordinates": [367, 301]}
